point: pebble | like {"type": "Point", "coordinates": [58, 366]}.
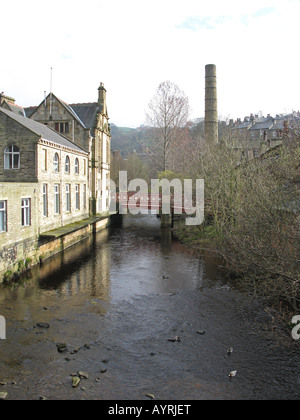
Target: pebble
{"type": "Point", "coordinates": [75, 381]}
{"type": "Point", "coordinates": [3, 395]}
{"type": "Point", "coordinates": [42, 325]}
{"type": "Point", "coordinates": [61, 348]}
{"type": "Point", "coordinates": [83, 375]}
{"type": "Point", "coordinates": [151, 396]}
{"type": "Point", "coordinates": [173, 340]}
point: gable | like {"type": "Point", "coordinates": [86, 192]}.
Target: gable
{"type": "Point", "coordinates": [53, 108]}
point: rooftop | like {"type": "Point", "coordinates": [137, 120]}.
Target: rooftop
{"type": "Point", "coordinates": [42, 130]}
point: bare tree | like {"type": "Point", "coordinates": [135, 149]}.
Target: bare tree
{"type": "Point", "coordinates": [168, 113]}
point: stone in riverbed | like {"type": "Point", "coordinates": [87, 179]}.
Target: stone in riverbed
{"type": "Point", "coordinates": [75, 381]}
{"type": "Point", "coordinates": [61, 348]}
{"type": "Point", "coordinates": [83, 375]}
{"type": "Point", "coordinates": [43, 325]}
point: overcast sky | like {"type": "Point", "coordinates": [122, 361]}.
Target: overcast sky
{"type": "Point", "coordinates": [133, 45]}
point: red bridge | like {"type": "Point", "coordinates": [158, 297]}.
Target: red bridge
{"type": "Point", "coordinates": [144, 201]}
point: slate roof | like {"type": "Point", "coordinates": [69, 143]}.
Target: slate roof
{"type": "Point", "coordinates": [86, 112]}
{"type": "Point", "coordinates": [43, 131]}
{"type": "Point", "coordinates": [262, 125]}
{"type": "Point", "coordinates": [13, 107]}
{"type": "Point", "coordinates": [30, 110]}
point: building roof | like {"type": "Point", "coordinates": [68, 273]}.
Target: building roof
{"type": "Point", "coordinates": [86, 112]}
{"type": "Point", "coordinates": [30, 110]}
{"type": "Point", "coordinates": [262, 125]}
{"type": "Point", "coordinates": [241, 125]}
{"type": "Point", "coordinates": [43, 131]}
{"type": "Point", "coordinates": [13, 107]}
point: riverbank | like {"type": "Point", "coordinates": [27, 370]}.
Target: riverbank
{"type": "Point", "coordinates": [51, 243]}
{"type": "Point", "coordinates": [269, 290]}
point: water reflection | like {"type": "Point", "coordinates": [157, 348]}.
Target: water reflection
{"type": "Point", "coordinates": [117, 297]}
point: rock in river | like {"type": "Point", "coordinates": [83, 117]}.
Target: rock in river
{"type": "Point", "coordinates": [75, 381]}
{"type": "Point", "coordinates": [3, 395]}
{"type": "Point", "coordinates": [42, 325]}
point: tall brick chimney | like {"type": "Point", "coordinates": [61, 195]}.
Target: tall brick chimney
{"type": "Point", "coordinates": [211, 105]}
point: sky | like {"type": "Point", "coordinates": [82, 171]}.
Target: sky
{"type": "Point", "coordinates": [134, 45]}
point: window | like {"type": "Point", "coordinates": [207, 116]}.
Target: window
{"type": "Point", "coordinates": [77, 196]}
{"type": "Point", "coordinates": [56, 199]}
{"type": "Point", "coordinates": [45, 200]}
{"type": "Point", "coordinates": [84, 196]}
{"type": "Point", "coordinates": [26, 212]}
{"type": "Point", "coordinates": [56, 163]}
{"type": "Point", "coordinates": [62, 127]}
{"type": "Point", "coordinates": [45, 155]}
{"type": "Point", "coordinates": [67, 165]}
{"type": "Point", "coordinates": [68, 197]}
{"type": "Point", "coordinates": [3, 216]}
{"type": "Point", "coordinates": [12, 157]}
{"type": "Point", "coordinates": [76, 166]}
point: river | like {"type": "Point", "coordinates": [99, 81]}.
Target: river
{"type": "Point", "coordinates": [112, 303]}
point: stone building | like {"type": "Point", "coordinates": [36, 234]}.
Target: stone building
{"type": "Point", "coordinates": [256, 134]}
{"type": "Point", "coordinates": [43, 186]}
{"type": "Point", "coordinates": [87, 125]}
{"type": "Point", "coordinates": [9, 103]}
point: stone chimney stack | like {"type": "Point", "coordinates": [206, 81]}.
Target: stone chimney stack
{"type": "Point", "coordinates": [102, 99]}
{"type": "Point", "coordinates": [211, 104]}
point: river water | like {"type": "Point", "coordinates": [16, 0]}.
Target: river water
{"type": "Point", "coordinates": [114, 301]}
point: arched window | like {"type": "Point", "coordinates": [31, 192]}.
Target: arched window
{"type": "Point", "coordinates": [56, 163]}
{"type": "Point", "coordinates": [12, 157]}
{"type": "Point", "coordinates": [76, 166]}
{"type": "Point", "coordinates": [67, 165]}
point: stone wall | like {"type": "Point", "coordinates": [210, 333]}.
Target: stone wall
{"type": "Point", "coordinates": [49, 177]}
{"type": "Point", "coordinates": [12, 133]}
{"type": "Point", "coordinates": [18, 242]}
{"type": "Point", "coordinates": [52, 112]}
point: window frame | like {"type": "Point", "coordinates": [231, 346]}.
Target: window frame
{"type": "Point", "coordinates": [45, 200]}
{"type": "Point", "coordinates": [56, 199]}
{"type": "Point", "coordinates": [67, 164]}
{"type": "Point", "coordinates": [84, 196]}
{"type": "Point", "coordinates": [77, 196]}
{"type": "Point", "coordinates": [56, 162]}
{"type": "Point", "coordinates": [3, 211]}
{"type": "Point", "coordinates": [76, 165]}
{"type": "Point", "coordinates": [68, 198]}
{"type": "Point", "coordinates": [26, 212]}
{"type": "Point", "coordinates": [9, 157]}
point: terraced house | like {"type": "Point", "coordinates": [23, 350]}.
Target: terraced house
{"type": "Point", "coordinates": [54, 177]}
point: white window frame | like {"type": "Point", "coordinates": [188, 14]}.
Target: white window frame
{"type": "Point", "coordinates": [68, 197]}
{"type": "Point", "coordinates": [67, 165]}
{"type": "Point", "coordinates": [10, 153]}
{"type": "Point", "coordinates": [26, 212]}
{"type": "Point", "coordinates": [76, 166]}
{"type": "Point", "coordinates": [56, 162]}
{"type": "Point", "coordinates": [84, 196]}
{"type": "Point", "coordinates": [3, 216]}
{"type": "Point", "coordinates": [77, 196]}
{"type": "Point", "coordinates": [45, 200]}
{"type": "Point", "coordinates": [56, 199]}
